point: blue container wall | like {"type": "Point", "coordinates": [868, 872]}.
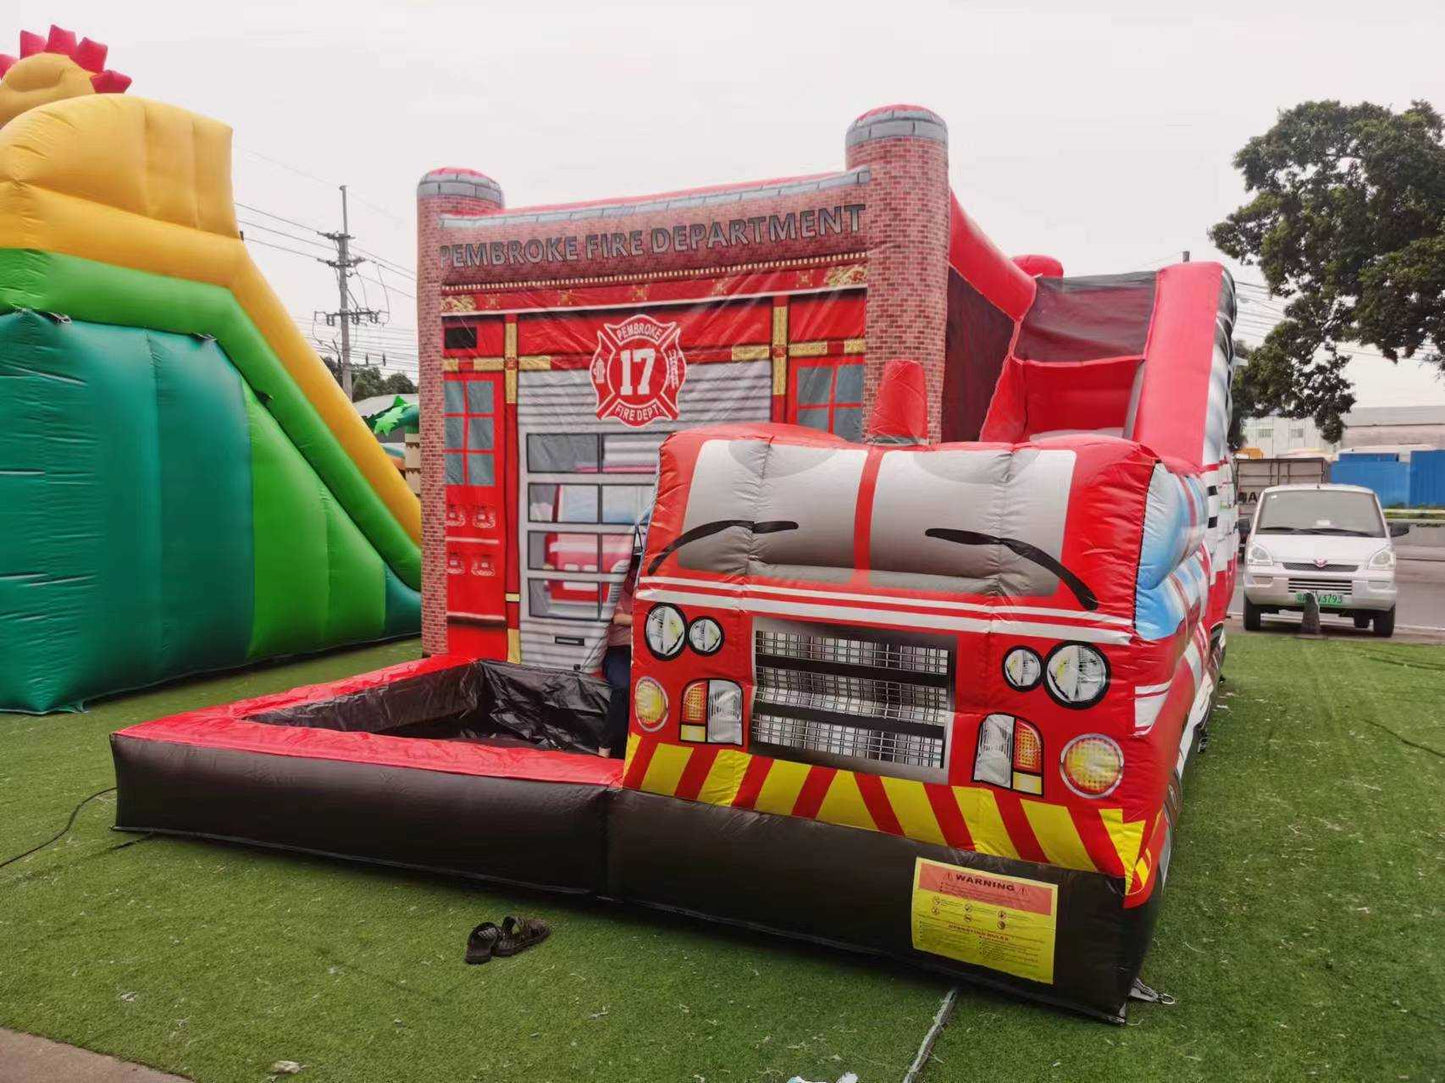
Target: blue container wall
{"type": "Point", "coordinates": [1427, 479]}
{"type": "Point", "coordinates": [1390, 480]}
{"type": "Point", "coordinates": [1369, 457]}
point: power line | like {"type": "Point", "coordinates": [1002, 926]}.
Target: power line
{"type": "Point", "coordinates": [280, 233]}
{"type": "Point", "coordinates": [381, 329]}
{"type": "Point", "coordinates": [1172, 255]}
{"type": "Point", "coordinates": [395, 349]}
{"type": "Point", "coordinates": [279, 218]}
{"type": "Point", "coordinates": [400, 338]}
{"type": "Point", "coordinates": [390, 264]}
{"type": "Point", "coordinates": [386, 286]}
{"type": "Point", "coordinates": [397, 346]}
{"type": "Point", "coordinates": [348, 313]}
{"type": "Point", "coordinates": [313, 177]}
{"type": "Point", "coordinates": [280, 247]}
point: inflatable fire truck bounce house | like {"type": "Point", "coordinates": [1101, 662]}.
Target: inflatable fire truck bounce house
{"type": "Point", "coordinates": [929, 613]}
{"type": "Point", "coordinates": [183, 485]}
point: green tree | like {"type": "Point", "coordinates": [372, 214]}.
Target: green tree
{"type": "Point", "coordinates": [368, 382]}
{"type": "Point", "coordinates": [1347, 219]}
{"type": "Point", "coordinates": [398, 383]}
{"type": "Point", "coordinates": [1242, 395]}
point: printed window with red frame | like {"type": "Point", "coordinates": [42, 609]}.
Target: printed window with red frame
{"type": "Point", "coordinates": [827, 394]}
{"type": "Point", "coordinates": [470, 430]}
{"type": "Point", "coordinates": [711, 711]}
{"type": "Point", "coordinates": [1010, 751]}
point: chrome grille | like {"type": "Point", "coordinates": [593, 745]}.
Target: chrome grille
{"type": "Point", "coordinates": [910, 658]}
{"type": "Point", "coordinates": [854, 695]}
{"type": "Point", "coordinates": [879, 703]}
{"type": "Point", "coordinates": [848, 741]}
{"type": "Point", "coordinates": [1321, 586]}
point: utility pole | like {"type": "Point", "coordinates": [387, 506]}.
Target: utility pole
{"type": "Point", "coordinates": [346, 315]}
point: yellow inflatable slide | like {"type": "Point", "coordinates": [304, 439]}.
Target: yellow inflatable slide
{"type": "Point", "coordinates": [183, 484]}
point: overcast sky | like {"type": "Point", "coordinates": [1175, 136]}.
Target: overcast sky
{"type": "Point", "coordinates": [1100, 133]}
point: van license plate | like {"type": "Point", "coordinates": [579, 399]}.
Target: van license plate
{"type": "Point", "coordinates": [1323, 599]}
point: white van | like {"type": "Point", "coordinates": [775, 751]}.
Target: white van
{"type": "Point", "coordinates": [1331, 541]}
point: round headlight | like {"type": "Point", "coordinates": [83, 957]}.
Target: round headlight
{"type": "Point", "coordinates": [665, 631]}
{"type": "Point", "coordinates": [1076, 675]}
{"type": "Point", "coordinates": [649, 704]}
{"type": "Point", "coordinates": [705, 635]}
{"type": "Point", "coordinates": [1092, 765]}
{"type": "Point", "coordinates": [1022, 668]}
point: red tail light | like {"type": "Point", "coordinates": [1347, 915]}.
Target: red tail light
{"type": "Point", "coordinates": [712, 712]}
{"type": "Point", "coordinates": [1010, 754]}
{"type": "Point", "coordinates": [1028, 748]}
{"type": "Point", "coordinates": [694, 703]}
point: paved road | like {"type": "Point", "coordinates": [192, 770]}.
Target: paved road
{"type": "Point", "coordinates": [25, 1058]}
{"type": "Point", "coordinates": [1421, 579]}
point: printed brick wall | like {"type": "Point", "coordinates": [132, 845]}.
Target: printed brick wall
{"type": "Point", "coordinates": [905, 149]}
{"type": "Point", "coordinates": [452, 192]}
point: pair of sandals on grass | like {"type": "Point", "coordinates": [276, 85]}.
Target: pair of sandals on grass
{"type": "Point", "coordinates": [513, 936]}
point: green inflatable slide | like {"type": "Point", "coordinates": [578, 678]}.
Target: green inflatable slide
{"type": "Point", "coordinates": [183, 487]}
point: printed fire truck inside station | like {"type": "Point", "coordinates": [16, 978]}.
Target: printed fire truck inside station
{"type": "Point", "coordinates": [931, 576]}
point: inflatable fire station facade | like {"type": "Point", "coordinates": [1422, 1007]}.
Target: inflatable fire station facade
{"type": "Point", "coordinates": [773, 301]}
{"type": "Point", "coordinates": [929, 615]}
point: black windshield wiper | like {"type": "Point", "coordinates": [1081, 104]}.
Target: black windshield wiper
{"type": "Point", "coordinates": [707, 530]}
{"type": "Point", "coordinates": [1033, 553]}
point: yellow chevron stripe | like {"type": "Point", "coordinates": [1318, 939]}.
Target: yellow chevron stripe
{"type": "Point", "coordinates": [1142, 869]}
{"type": "Point", "coordinates": [665, 770]}
{"type": "Point", "coordinates": [724, 778]}
{"type": "Point", "coordinates": [1055, 830]}
{"type": "Point", "coordinates": [780, 789]}
{"type": "Point", "coordinates": [633, 740]}
{"type": "Point", "coordinates": [843, 803]}
{"type": "Point", "coordinates": [1127, 839]}
{"type": "Point", "coordinates": [985, 822]}
{"type": "Point", "coordinates": [915, 814]}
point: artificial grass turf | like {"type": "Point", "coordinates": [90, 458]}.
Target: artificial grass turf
{"type": "Point", "coordinates": [1301, 928]}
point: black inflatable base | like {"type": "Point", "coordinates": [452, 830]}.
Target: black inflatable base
{"type": "Point", "coordinates": [841, 886]}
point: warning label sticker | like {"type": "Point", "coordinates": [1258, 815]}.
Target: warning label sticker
{"type": "Point", "coordinates": [1002, 922]}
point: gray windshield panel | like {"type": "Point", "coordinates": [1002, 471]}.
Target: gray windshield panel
{"type": "Point", "coordinates": [756, 481]}
{"type": "Point", "coordinates": [1021, 494]}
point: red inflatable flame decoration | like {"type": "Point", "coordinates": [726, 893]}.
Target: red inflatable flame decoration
{"type": "Point", "coordinates": [90, 55]}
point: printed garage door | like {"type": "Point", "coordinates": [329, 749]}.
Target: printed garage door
{"type": "Point", "coordinates": [597, 393]}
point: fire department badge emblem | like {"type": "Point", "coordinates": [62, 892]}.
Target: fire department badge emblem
{"type": "Point", "coordinates": [638, 370]}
